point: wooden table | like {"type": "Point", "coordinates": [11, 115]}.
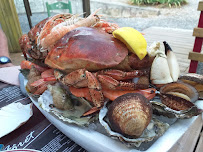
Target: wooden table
{"type": "Point", "coordinates": [181, 41]}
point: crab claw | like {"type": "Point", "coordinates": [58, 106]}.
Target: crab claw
{"type": "Point", "coordinates": [172, 62]}
{"type": "Point", "coordinates": [165, 68]}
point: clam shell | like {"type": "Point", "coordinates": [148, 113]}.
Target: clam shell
{"type": "Point", "coordinates": [181, 87]}
{"type": "Point", "coordinates": [130, 114]}
{"type": "Point", "coordinates": [175, 101]}
{"type": "Point", "coordinates": [154, 130]}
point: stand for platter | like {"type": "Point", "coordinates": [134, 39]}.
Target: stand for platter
{"type": "Point", "coordinates": [196, 56]}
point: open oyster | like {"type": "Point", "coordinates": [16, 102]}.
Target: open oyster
{"type": "Point", "coordinates": [133, 123]}
{"type": "Point", "coordinates": [65, 107]}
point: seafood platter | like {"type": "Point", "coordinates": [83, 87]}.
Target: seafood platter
{"type": "Point", "coordinates": [95, 80]}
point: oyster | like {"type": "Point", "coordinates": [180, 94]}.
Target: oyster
{"type": "Point", "coordinates": [130, 114]}
{"type": "Point", "coordinates": [61, 99]}
{"type": "Point", "coordinates": [67, 108]}
{"type": "Point", "coordinates": [13, 116]}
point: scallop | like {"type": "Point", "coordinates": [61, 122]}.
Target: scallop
{"type": "Point", "coordinates": [130, 114]}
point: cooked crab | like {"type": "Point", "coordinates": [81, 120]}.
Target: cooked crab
{"type": "Point", "coordinates": [89, 57]}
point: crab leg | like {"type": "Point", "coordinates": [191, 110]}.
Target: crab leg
{"type": "Point", "coordinates": [91, 111]}
{"type": "Point", "coordinates": [110, 83]}
{"type": "Point", "coordinates": [121, 75]}
{"type": "Point", "coordinates": [27, 65]}
{"type": "Point", "coordinates": [76, 78]}
{"type": "Point", "coordinates": [47, 73]}
{"type": "Point", "coordinates": [95, 89]}
{"type": "Point", "coordinates": [81, 92]}
{"type": "Point", "coordinates": [113, 94]}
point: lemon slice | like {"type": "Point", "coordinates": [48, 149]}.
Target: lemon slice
{"type": "Point", "coordinates": [133, 39]}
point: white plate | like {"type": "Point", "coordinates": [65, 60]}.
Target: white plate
{"type": "Point", "coordinates": [94, 141]}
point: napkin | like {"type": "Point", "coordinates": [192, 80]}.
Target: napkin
{"type": "Point", "coordinates": [13, 116]}
{"type": "Point", "coordinates": [10, 75]}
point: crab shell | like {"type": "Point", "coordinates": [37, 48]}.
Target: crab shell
{"type": "Point", "coordinates": [130, 114]}
{"type": "Point", "coordinates": [86, 48]}
{"type": "Point", "coordinates": [91, 49]}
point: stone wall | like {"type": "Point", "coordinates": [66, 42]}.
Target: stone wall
{"type": "Point", "coordinates": [112, 8]}
{"type": "Point", "coordinates": [38, 6]}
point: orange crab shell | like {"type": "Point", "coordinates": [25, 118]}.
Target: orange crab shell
{"type": "Point", "coordinates": [87, 48]}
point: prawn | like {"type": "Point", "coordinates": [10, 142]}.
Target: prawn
{"type": "Point", "coordinates": [57, 33]}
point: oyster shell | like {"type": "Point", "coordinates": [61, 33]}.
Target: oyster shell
{"type": "Point", "coordinates": [154, 130]}
{"type": "Point", "coordinates": [73, 111]}
{"type": "Point", "coordinates": [130, 114]}
{"type": "Point", "coordinates": [178, 95]}
{"type": "Point", "coordinates": [162, 110]}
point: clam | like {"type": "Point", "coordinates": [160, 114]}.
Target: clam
{"type": "Point", "coordinates": [130, 114]}
{"type": "Point", "coordinates": [152, 131]}
{"type": "Point", "coordinates": [178, 95]}
{"type": "Point", "coordinates": [196, 80]}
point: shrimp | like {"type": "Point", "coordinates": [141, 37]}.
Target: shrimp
{"type": "Point", "coordinates": [57, 33]}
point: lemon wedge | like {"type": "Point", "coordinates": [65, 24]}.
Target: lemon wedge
{"type": "Point", "coordinates": [133, 39]}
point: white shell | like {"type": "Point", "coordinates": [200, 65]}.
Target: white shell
{"type": "Point", "coordinates": [160, 72]}
{"type": "Point", "coordinates": [13, 116]}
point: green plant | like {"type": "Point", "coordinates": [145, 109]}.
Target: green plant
{"type": "Point", "coordinates": [156, 2]}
